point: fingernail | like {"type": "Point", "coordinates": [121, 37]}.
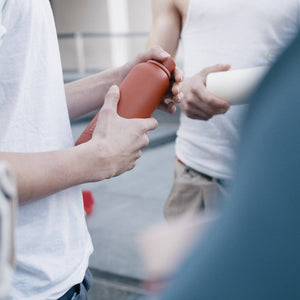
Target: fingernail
{"type": "Point", "coordinates": [180, 96]}
{"type": "Point", "coordinates": [164, 54]}
{"type": "Point", "coordinates": [114, 89]}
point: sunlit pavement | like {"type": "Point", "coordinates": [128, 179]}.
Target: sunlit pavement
{"type": "Point", "coordinates": [124, 207]}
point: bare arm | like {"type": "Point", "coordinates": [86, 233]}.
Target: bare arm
{"type": "Point", "coordinates": [195, 100]}
{"type": "Point", "coordinates": [165, 32]}
{"type": "Point", "coordinates": [114, 149]}
{"type": "Point", "coordinates": [41, 174]}
{"type": "Point", "coordinates": [166, 26]}
{"type": "Point", "coordinates": [88, 94]}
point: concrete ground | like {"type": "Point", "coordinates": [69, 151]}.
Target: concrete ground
{"type": "Point", "coordinates": [125, 206]}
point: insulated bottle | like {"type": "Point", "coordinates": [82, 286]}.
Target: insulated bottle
{"type": "Point", "coordinates": [141, 92]}
{"type": "Point", "coordinates": [235, 85]}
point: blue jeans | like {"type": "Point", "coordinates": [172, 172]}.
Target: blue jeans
{"type": "Point", "coordinates": [80, 290]}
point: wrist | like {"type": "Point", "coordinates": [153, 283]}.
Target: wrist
{"type": "Point", "coordinates": [114, 75]}
{"type": "Point", "coordinates": [94, 161]}
{"type": "Point", "coordinates": [122, 71]}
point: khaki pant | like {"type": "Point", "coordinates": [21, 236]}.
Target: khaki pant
{"type": "Point", "coordinates": [192, 192]}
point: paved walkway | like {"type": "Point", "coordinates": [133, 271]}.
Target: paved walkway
{"type": "Point", "coordinates": [124, 206]}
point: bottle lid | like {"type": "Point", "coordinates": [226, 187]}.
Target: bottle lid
{"type": "Point", "coordinates": [169, 64]}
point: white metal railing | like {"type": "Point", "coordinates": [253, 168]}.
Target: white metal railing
{"type": "Point", "coordinates": [79, 37]}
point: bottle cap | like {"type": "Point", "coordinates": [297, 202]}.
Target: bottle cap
{"type": "Point", "coordinates": [169, 64]}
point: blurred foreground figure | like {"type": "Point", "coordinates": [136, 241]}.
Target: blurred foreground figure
{"type": "Point", "coordinates": [8, 202]}
{"type": "Point", "coordinates": [252, 250]}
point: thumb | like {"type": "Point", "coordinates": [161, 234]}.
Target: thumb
{"type": "Point", "coordinates": [112, 97]}
{"type": "Point", "coordinates": [215, 68]}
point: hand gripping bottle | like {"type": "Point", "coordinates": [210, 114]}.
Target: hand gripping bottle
{"type": "Point", "coordinates": [141, 92]}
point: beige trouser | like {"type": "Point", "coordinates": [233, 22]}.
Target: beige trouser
{"type": "Point", "coordinates": [192, 192]}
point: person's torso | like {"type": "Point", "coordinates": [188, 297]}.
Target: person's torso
{"type": "Point", "coordinates": [52, 241]}
{"type": "Point", "coordinates": [242, 34]}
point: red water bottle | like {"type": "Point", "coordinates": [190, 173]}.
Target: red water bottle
{"type": "Point", "coordinates": [141, 91]}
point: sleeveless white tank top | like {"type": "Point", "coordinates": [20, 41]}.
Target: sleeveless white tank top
{"type": "Point", "coordinates": [243, 34]}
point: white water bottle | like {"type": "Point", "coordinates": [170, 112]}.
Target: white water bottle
{"type": "Point", "coordinates": [236, 85]}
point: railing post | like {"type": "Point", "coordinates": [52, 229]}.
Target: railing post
{"type": "Point", "coordinates": [80, 54]}
{"type": "Point", "coordinates": [118, 23]}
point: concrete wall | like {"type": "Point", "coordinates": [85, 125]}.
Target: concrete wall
{"type": "Point", "coordinates": [93, 16]}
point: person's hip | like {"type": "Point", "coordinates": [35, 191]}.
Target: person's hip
{"type": "Point", "coordinates": [80, 290]}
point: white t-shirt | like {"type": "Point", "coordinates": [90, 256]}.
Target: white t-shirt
{"type": "Point", "coordinates": [2, 33]}
{"type": "Point", "coordinates": [53, 244]}
{"type": "Point", "coordinates": [243, 34]}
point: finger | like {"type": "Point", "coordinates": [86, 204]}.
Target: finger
{"type": "Point", "coordinates": [146, 124]}
{"type": "Point", "coordinates": [197, 112]}
{"type": "Point", "coordinates": [176, 88]}
{"type": "Point", "coordinates": [200, 109]}
{"type": "Point", "coordinates": [144, 141]}
{"type": "Point", "coordinates": [163, 107]}
{"type": "Point", "coordinates": [168, 106]}
{"type": "Point", "coordinates": [138, 155]}
{"type": "Point", "coordinates": [215, 68]}
{"type": "Point", "coordinates": [155, 52]}
{"type": "Point", "coordinates": [112, 97]}
{"type": "Point", "coordinates": [171, 108]}
{"type": "Point", "coordinates": [201, 104]}
{"type": "Point", "coordinates": [199, 116]}
{"type": "Point", "coordinates": [174, 93]}
{"type": "Point", "coordinates": [130, 166]}
{"type": "Point", "coordinates": [178, 98]}
{"type": "Point", "coordinates": [178, 75]}
{"type": "Point", "coordinates": [213, 101]}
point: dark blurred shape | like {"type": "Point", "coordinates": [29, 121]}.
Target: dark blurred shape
{"type": "Point", "coordinates": [252, 251]}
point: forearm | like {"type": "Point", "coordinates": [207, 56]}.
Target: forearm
{"type": "Point", "coordinates": [166, 26]}
{"type": "Point", "coordinates": [41, 174]}
{"type": "Point", "coordinates": [88, 94]}
{"type": "Point", "coordinates": [167, 38]}
{"type": "Point", "coordinates": [113, 150]}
